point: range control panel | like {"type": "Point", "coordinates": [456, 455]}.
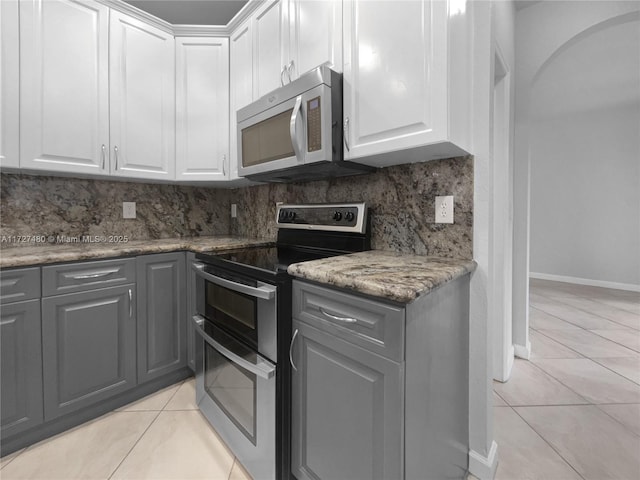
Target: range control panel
{"type": "Point", "coordinates": [348, 217]}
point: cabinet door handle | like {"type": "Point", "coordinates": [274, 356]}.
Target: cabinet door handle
{"type": "Point", "coordinates": [130, 304]}
{"type": "Point", "coordinates": [115, 151]}
{"type": "Point", "coordinates": [345, 133]}
{"type": "Point", "coordinates": [290, 68]}
{"type": "Point", "coordinates": [339, 319]}
{"type": "Point", "coordinates": [293, 339]}
{"type": "Point", "coordinates": [104, 155]}
{"type": "Point", "coordinates": [282, 75]}
{"type": "Point", "coordinates": [224, 160]}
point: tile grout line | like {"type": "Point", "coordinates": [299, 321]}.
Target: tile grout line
{"type": "Point", "coordinates": [547, 442]}
{"type": "Point", "coordinates": [617, 373]}
{"type": "Point", "coordinates": [134, 445]}
{"type": "Point", "coordinates": [591, 313]}
{"type": "Point", "coordinates": [615, 419]}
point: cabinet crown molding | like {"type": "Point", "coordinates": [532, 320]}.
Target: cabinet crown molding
{"type": "Point", "coordinates": [186, 30]}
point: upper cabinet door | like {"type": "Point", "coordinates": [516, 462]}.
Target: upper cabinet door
{"type": "Point", "coordinates": [395, 75]}
{"type": "Point", "coordinates": [9, 84]}
{"type": "Point", "coordinates": [270, 32]}
{"type": "Point", "coordinates": [315, 35]}
{"type": "Point", "coordinates": [64, 91]}
{"type": "Point", "coordinates": [202, 108]}
{"type": "Point", "coordinates": [142, 100]}
{"type": "Point", "coordinates": [241, 91]}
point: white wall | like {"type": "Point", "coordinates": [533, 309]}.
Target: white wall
{"type": "Point", "coordinates": [577, 92]}
{"type": "Point", "coordinates": [585, 195]}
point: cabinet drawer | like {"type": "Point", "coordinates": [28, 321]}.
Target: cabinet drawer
{"type": "Point", "coordinates": [19, 284]}
{"type": "Point", "coordinates": [82, 276]}
{"type": "Point", "coordinates": [376, 326]}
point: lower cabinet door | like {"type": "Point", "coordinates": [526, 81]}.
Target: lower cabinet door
{"type": "Point", "coordinates": [89, 347]}
{"type": "Point", "coordinates": [21, 367]}
{"type": "Point", "coordinates": [347, 410]}
{"type": "Point", "coordinates": [162, 329]}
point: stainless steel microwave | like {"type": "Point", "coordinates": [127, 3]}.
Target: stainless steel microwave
{"type": "Point", "coordinates": [295, 132]}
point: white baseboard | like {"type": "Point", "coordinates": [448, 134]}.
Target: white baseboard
{"type": "Point", "coordinates": [585, 281]}
{"type": "Point", "coordinates": [484, 468]}
{"type": "Point", "coordinates": [523, 351]}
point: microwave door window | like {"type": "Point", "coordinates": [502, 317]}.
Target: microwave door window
{"type": "Point", "coordinates": [268, 140]}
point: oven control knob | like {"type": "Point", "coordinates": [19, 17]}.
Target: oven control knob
{"type": "Point", "coordinates": [282, 215]}
{"type": "Point", "coordinates": [292, 215]}
{"type": "Point", "coordinates": [349, 216]}
{"type": "Point", "coordinates": [337, 216]}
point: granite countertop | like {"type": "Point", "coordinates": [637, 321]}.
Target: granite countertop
{"type": "Point", "coordinates": [390, 275]}
{"type": "Point", "coordinates": [47, 253]}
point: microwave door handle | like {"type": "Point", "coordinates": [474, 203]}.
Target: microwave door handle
{"type": "Point", "coordinates": [265, 292]}
{"type": "Point", "coordinates": [293, 130]}
{"type": "Point", "coordinates": [262, 369]}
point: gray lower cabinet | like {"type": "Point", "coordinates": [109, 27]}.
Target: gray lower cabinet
{"type": "Point", "coordinates": [191, 311]}
{"type": "Point", "coordinates": [347, 409]}
{"type": "Point", "coordinates": [162, 325]}
{"type": "Point", "coordinates": [21, 367]}
{"type": "Point", "coordinates": [89, 347]}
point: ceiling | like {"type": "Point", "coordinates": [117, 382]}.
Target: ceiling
{"type": "Point", "coordinates": [191, 12]}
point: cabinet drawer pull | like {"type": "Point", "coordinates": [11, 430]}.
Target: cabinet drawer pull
{"type": "Point", "coordinates": [293, 339]}
{"type": "Point", "coordinates": [339, 319]}
{"type": "Point", "coordinates": [94, 275]}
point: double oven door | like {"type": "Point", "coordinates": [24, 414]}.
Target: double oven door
{"type": "Point", "coordinates": [236, 329]}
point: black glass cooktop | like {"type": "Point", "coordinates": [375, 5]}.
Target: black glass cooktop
{"type": "Point", "coordinates": [271, 259]}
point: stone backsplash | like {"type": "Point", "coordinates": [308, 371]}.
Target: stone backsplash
{"type": "Point", "coordinates": [401, 201]}
{"type": "Point", "coordinates": [60, 206]}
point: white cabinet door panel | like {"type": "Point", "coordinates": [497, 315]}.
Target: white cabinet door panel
{"type": "Point", "coordinates": [395, 74]}
{"type": "Point", "coordinates": [142, 100]}
{"type": "Point", "coordinates": [202, 108]}
{"type": "Point", "coordinates": [241, 73]}
{"type": "Point", "coordinates": [64, 86]}
{"type": "Point", "coordinates": [270, 31]}
{"type": "Point", "coordinates": [315, 34]}
{"type": "Point", "coordinates": [9, 84]}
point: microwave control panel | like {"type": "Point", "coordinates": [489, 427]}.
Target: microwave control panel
{"type": "Point", "coordinates": [314, 125]}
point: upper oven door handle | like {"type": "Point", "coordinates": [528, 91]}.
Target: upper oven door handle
{"type": "Point", "coordinates": [266, 292]}
{"type": "Point", "coordinates": [264, 369]}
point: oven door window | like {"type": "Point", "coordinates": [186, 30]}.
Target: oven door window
{"type": "Point", "coordinates": [236, 311]}
{"type": "Point", "coordinates": [232, 387]}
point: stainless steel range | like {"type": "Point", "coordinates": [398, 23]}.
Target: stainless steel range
{"type": "Point", "coordinates": [243, 323]}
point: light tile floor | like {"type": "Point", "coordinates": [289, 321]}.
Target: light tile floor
{"type": "Point", "coordinates": [572, 412]}
{"type": "Point", "coordinates": [160, 437]}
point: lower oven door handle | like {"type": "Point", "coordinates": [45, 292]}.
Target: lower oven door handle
{"type": "Point", "coordinates": [265, 292]}
{"type": "Point", "coordinates": [263, 369]}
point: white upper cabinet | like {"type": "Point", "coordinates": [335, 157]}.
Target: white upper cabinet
{"type": "Point", "coordinates": [9, 84]}
{"type": "Point", "coordinates": [315, 36]}
{"type": "Point", "coordinates": [64, 90]}
{"type": "Point", "coordinates": [401, 91]}
{"type": "Point", "coordinates": [270, 42]}
{"type": "Point", "coordinates": [202, 108]}
{"type": "Point", "coordinates": [241, 91]}
{"type": "Point", "coordinates": [291, 37]}
{"type": "Point", "coordinates": [142, 100]}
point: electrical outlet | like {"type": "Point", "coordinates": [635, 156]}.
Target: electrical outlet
{"type": "Point", "coordinates": [128, 209]}
{"type": "Point", "coordinates": [444, 209]}
{"type": "Point", "coordinates": [234, 210]}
